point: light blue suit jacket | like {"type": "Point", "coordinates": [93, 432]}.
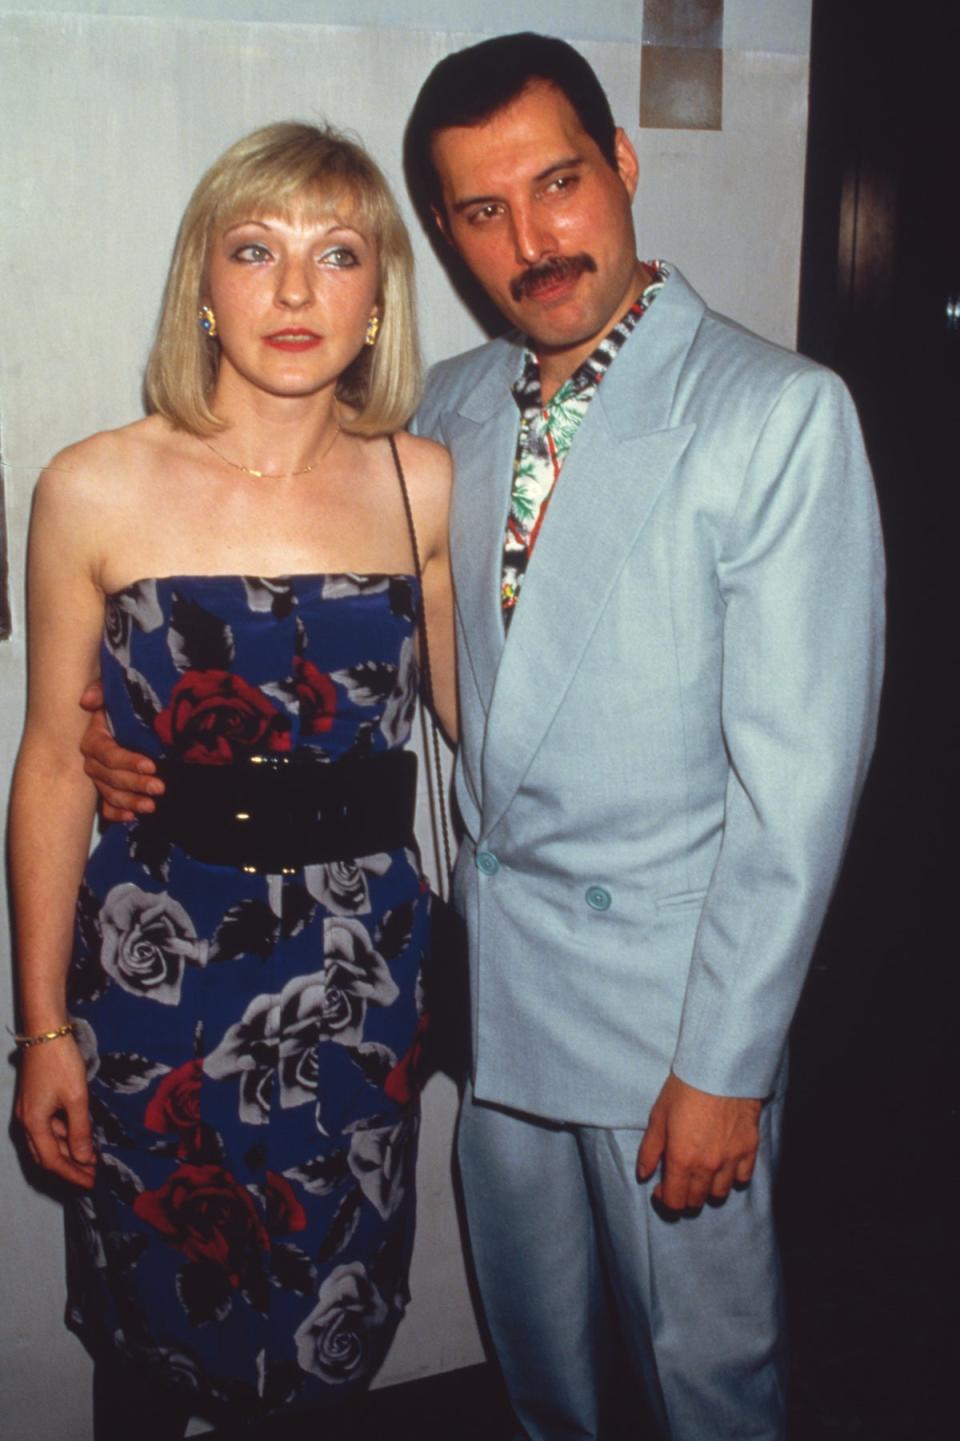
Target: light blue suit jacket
{"type": "Point", "coordinates": [659, 766]}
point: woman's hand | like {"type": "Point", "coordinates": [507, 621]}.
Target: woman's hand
{"type": "Point", "coordinates": [53, 1109]}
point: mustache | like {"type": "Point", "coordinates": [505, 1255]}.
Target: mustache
{"type": "Point", "coordinates": [561, 267]}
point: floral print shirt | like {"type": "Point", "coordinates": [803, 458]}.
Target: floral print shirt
{"type": "Point", "coordinates": [546, 434]}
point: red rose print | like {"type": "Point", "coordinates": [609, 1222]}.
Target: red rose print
{"type": "Point", "coordinates": [409, 1076]}
{"type": "Point", "coordinates": [317, 696]}
{"type": "Point", "coordinates": [209, 1216]}
{"type": "Point", "coordinates": [214, 716]}
{"type": "Point", "coordinates": [175, 1107]}
{"type": "Point", "coordinates": [284, 1211]}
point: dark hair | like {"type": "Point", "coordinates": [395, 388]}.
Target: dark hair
{"type": "Point", "coordinates": [466, 88]}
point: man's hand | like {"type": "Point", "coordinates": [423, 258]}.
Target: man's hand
{"type": "Point", "coordinates": [125, 780]}
{"type": "Point", "coordinates": [707, 1144]}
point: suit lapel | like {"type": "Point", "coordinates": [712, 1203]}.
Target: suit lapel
{"type": "Point", "coordinates": [482, 436]}
{"type": "Point", "coordinates": [620, 460]}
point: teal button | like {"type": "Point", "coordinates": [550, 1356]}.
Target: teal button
{"type": "Point", "coordinates": [487, 863]}
{"type": "Point", "coordinates": [598, 898]}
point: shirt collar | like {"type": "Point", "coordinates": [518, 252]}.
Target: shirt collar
{"type": "Point", "coordinates": [588, 374]}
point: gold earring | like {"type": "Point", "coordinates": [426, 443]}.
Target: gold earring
{"type": "Point", "coordinates": [208, 321]}
{"type": "Point", "coordinates": [373, 329]}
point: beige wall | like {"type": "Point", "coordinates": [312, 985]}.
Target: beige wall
{"type": "Point", "coordinates": [107, 120]}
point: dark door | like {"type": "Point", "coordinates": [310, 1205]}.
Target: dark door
{"type": "Point", "coordinates": [867, 1191]}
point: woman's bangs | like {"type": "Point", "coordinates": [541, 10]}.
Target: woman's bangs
{"type": "Point", "coordinates": [312, 199]}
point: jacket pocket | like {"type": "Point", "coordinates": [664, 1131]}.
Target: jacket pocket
{"type": "Point", "coordinates": [681, 900]}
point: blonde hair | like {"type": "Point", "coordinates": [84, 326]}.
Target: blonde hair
{"type": "Point", "coordinates": [269, 173]}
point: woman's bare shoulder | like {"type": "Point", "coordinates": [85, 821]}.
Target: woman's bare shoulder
{"type": "Point", "coordinates": [111, 453]}
{"type": "Point", "coordinates": [91, 493]}
{"type": "Point", "coordinates": [429, 472]}
{"type": "Point", "coordinates": [426, 462]}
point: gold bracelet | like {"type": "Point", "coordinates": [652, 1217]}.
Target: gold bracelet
{"type": "Point", "coordinates": [25, 1042]}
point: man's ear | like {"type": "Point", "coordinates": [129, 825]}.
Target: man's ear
{"type": "Point", "coordinates": [628, 166]}
{"type": "Point", "coordinates": [440, 221]}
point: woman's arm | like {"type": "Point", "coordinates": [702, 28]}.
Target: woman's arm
{"type": "Point", "coordinates": [438, 602]}
{"type": "Point", "coordinates": [429, 473]}
{"type": "Point", "coordinates": [51, 811]}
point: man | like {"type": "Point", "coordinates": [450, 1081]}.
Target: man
{"type": "Point", "coordinates": [668, 575]}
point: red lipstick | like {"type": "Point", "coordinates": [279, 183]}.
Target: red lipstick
{"type": "Point", "coordinates": [293, 337]}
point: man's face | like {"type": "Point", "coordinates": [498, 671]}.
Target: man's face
{"type": "Point", "coordinates": [542, 220]}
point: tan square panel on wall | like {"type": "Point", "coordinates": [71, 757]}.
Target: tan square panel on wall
{"type": "Point", "coordinates": [697, 23]}
{"type": "Point", "coordinates": [681, 75]}
{"type": "Point", "coordinates": [681, 89]}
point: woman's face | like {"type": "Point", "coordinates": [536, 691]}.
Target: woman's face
{"type": "Point", "coordinates": [292, 299]}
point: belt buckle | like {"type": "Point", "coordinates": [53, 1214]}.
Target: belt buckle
{"type": "Point", "coordinates": [273, 760]}
{"type": "Point", "coordinates": [270, 818]}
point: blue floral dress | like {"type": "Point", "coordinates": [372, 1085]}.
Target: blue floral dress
{"type": "Point", "coordinates": [251, 1040]}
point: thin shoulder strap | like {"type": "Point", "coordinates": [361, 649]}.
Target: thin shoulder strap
{"type": "Point", "coordinates": [434, 769]}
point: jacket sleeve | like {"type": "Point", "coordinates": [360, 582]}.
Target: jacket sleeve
{"type": "Point", "coordinates": [801, 578]}
{"type": "Point", "coordinates": [427, 418]}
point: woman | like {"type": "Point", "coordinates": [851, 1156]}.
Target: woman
{"type": "Point", "coordinates": [216, 1054]}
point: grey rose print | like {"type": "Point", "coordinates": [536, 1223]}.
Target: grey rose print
{"type": "Point", "coordinates": [393, 688]}
{"type": "Point", "coordinates": [183, 1371]}
{"type": "Point", "coordinates": [336, 587]}
{"type": "Point", "coordinates": [138, 606]}
{"type": "Point", "coordinates": [249, 1050]}
{"type": "Point", "coordinates": [84, 1232]}
{"type": "Point", "coordinates": [338, 1341]}
{"type": "Point", "coordinates": [377, 1160]}
{"type": "Point", "coordinates": [278, 1034]}
{"type": "Point", "coordinates": [341, 887]}
{"type": "Point", "coordinates": [147, 939]}
{"type": "Point", "coordinates": [86, 1041]}
{"type": "Point", "coordinates": [402, 700]}
{"type": "Point", "coordinates": [270, 594]}
{"type": "Point", "coordinates": [331, 1007]}
{"type": "Point", "coordinates": [355, 975]}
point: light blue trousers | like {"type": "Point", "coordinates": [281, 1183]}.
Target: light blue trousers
{"type": "Point", "coordinates": [566, 1244]}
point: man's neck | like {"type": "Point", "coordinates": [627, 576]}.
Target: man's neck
{"type": "Point", "coordinates": [557, 366]}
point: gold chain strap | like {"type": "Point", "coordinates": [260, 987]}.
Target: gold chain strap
{"type": "Point", "coordinates": [434, 768]}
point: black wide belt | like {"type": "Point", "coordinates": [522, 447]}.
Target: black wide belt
{"type": "Point", "coordinates": [275, 813]}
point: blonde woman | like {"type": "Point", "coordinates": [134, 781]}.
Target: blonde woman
{"type": "Point", "coordinates": [217, 1052]}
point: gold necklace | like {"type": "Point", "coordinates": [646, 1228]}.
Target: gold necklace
{"type": "Point", "coordinates": [282, 475]}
